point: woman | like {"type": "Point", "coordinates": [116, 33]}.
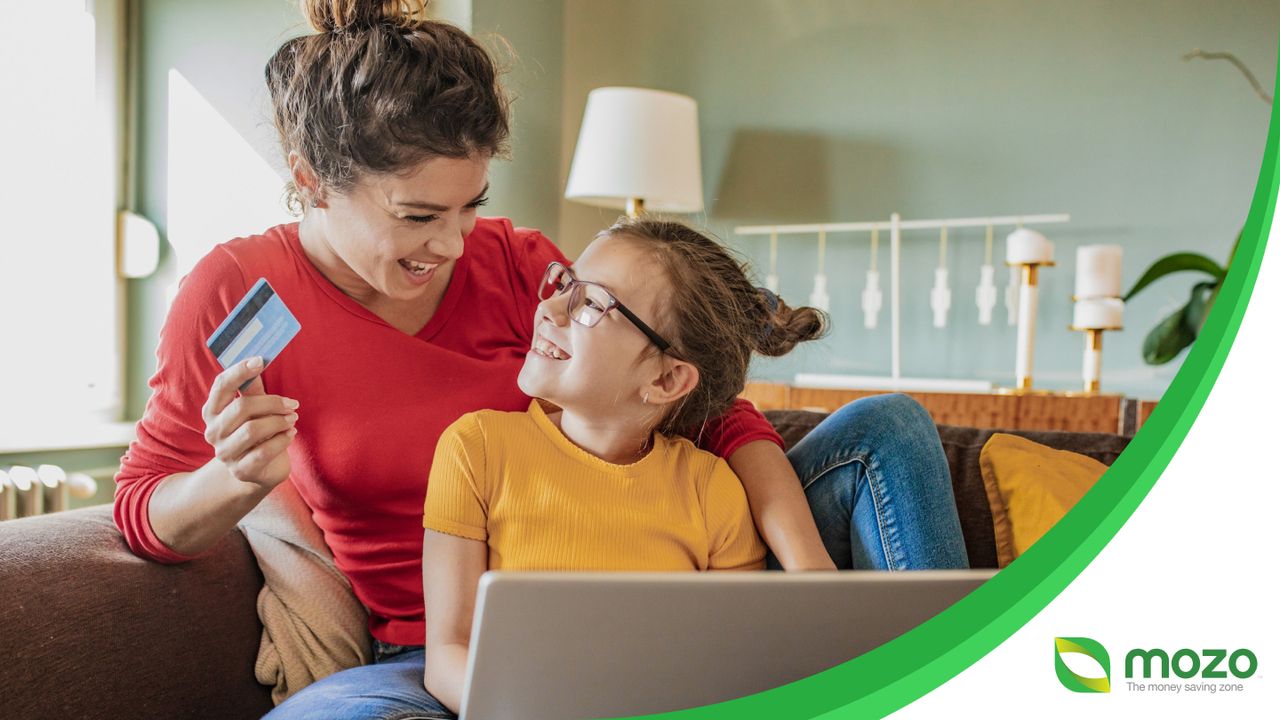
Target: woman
{"type": "Point", "coordinates": [413, 312]}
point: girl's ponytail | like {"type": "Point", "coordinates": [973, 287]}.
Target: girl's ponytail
{"type": "Point", "coordinates": [785, 327]}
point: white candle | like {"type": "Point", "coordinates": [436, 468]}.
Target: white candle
{"type": "Point", "coordinates": [1025, 246]}
{"type": "Point", "coordinates": [1092, 365]}
{"type": "Point", "coordinates": [1028, 300]}
{"type": "Point", "coordinates": [1098, 314]}
{"type": "Point", "coordinates": [1098, 271]}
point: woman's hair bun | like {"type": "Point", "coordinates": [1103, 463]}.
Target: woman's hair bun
{"type": "Point", "coordinates": [341, 15]}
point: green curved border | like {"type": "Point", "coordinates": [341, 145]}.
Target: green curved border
{"type": "Point", "coordinates": [903, 670]}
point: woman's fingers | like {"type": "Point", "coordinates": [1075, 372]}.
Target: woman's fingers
{"type": "Point", "coordinates": [242, 410]}
{"type": "Point", "coordinates": [251, 434]}
{"type": "Point", "coordinates": [246, 408]}
{"type": "Point", "coordinates": [268, 463]}
{"type": "Point", "coordinates": [255, 387]}
{"type": "Point", "coordinates": [227, 384]}
{"type": "Point", "coordinates": [249, 430]}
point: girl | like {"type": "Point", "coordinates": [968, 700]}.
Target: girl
{"type": "Point", "coordinates": [649, 335]}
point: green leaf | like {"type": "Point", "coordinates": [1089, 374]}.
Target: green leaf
{"type": "Point", "coordinates": [1197, 309]}
{"type": "Point", "coordinates": [1177, 262]}
{"type": "Point", "coordinates": [1168, 338]}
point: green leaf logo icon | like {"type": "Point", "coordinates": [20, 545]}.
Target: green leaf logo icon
{"type": "Point", "coordinates": [1087, 647]}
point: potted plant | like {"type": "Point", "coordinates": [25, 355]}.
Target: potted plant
{"type": "Point", "coordinates": [1174, 333]}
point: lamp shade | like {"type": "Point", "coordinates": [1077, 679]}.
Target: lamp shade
{"type": "Point", "coordinates": [641, 144]}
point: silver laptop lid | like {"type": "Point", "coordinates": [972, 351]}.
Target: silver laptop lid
{"type": "Point", "coordinates": [558, 646]}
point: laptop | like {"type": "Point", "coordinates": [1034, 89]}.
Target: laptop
{"type": "Point", "coordinates": [565, 645]}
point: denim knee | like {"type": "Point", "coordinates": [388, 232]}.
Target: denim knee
{"type": "Point", "coordinates": [893, 415]}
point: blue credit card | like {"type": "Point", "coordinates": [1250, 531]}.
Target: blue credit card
{"type": "Point", "coordinates": [259, 325]}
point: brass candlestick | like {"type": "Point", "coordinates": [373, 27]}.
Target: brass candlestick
{"type": "Point", "coordinates": [1028, 303]}
{"type": "Point", "coordinates": [1092, 371]}
{"type": "Point", "coordinates": [1093, 316]}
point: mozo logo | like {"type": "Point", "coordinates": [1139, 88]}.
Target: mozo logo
{"type": "Point", "coordinates": [1185, 663]}
{"type": "Point", "coordinates": [1088, 648]}
{"type": "Point", "coordinates": [1187, 670]}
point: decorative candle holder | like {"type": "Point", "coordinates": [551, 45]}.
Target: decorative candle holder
{"type": "Point", "coordinates": [1098, 305]}
{"type": "Point", "coordinates": [1093, 316]}
{"type": "Point", "coordinates": [1029, 251]}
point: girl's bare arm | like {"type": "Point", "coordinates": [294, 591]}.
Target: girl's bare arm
{"type": "Point", "coordinates": [778, 506]}
{"type": "Point", "coordinates": [451, 570]}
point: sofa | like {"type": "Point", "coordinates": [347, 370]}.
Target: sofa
{"type": "Point", "coordinates": [88, 630]}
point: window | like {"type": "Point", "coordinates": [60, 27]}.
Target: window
{"type": "Point", "coordinates": [60, 316]}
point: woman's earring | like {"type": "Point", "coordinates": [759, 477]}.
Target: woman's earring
{"type": "Point", "coordinates": [645, 399]}
{"type": "Point", "coordinates": [315, 202]}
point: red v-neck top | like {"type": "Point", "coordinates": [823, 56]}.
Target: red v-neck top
{"type": "Point", "coordinates": [373, 399]}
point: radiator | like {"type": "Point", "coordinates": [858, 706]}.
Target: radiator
{"type": "Point", "coordinates": [27, 491]}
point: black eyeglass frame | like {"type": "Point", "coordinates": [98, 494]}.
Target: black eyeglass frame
{"type": "Point", "coordinates": [576, 285]}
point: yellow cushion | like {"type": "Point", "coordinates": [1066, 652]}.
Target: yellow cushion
{"type": "Point", "coordinates": [1030, 487]}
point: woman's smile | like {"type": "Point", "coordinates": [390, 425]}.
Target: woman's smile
{"type": "Point", "coordinates": [419, 273]}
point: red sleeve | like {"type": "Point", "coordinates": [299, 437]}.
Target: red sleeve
{"type": "Point", "coordinates": [170, 435]}
{"type": "Point", "coordinates": [740, 424]}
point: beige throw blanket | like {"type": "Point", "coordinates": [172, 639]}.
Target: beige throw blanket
{"type": "Point", "coordinates": [312, 623]}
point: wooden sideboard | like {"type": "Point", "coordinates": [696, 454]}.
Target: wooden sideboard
{"type": "Point", "coordinates": [1075, 413]}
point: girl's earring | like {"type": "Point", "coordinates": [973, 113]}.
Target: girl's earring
{"type": "Point", "coordinates": [315, 202]}
{"type": "Point", "coordinates": [645, 399]}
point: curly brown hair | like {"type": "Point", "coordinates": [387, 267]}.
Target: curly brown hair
{"type": "Point", "coordinates": [381, 88]}
{"type": "Point", "coordinates": [714, 317]}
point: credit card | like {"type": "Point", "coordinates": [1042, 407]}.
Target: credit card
{"type": "Point", "coordinates": [259, 324]}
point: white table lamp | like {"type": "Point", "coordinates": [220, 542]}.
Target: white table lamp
{"type": "Point", "coordinates": [638, 150]}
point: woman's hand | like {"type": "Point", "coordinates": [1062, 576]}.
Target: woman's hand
{"type": "Point", "coordinates": [250, 434]}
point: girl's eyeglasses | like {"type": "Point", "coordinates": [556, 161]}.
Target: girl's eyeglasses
{"type": "Point", "coordinates": [589, 302]}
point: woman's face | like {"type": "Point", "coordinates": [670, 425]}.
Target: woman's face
{"type": "Point", "coordinates": [398, 235]}
{"type": "Point", "coordinates": [599, 372]}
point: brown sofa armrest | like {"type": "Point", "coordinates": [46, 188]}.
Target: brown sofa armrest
{"type": "Point", "coordinates": [87, 629]}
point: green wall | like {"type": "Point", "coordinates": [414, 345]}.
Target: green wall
{"type": "Point", "coordinates": [526, 187]}
{"type": "Point", "coordinates": [824, 110]}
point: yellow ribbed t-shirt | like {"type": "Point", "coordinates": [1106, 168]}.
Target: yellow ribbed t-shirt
{"type": "Point", "coordinates": [515, 482]}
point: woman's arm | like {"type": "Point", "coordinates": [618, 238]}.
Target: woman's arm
{"type": "Point", "coordinates": [250, 436]}
{"type": "Point", "coordinates": [204, 454]}
{"type": "Point", "coordinates": [451, 570]}
{"type": "Point", "coordinates": [778, 506]}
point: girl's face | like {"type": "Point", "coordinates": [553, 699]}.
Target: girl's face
{"type": "Point", "coordinates": [398, 235]}
{"type": "Point", "coordinates": [598, 371]}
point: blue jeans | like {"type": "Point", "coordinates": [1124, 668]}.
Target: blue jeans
{"type": "Point", "coordinates": [389, 689]}
{"type": "Point", "coordinates": [879, 487]}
